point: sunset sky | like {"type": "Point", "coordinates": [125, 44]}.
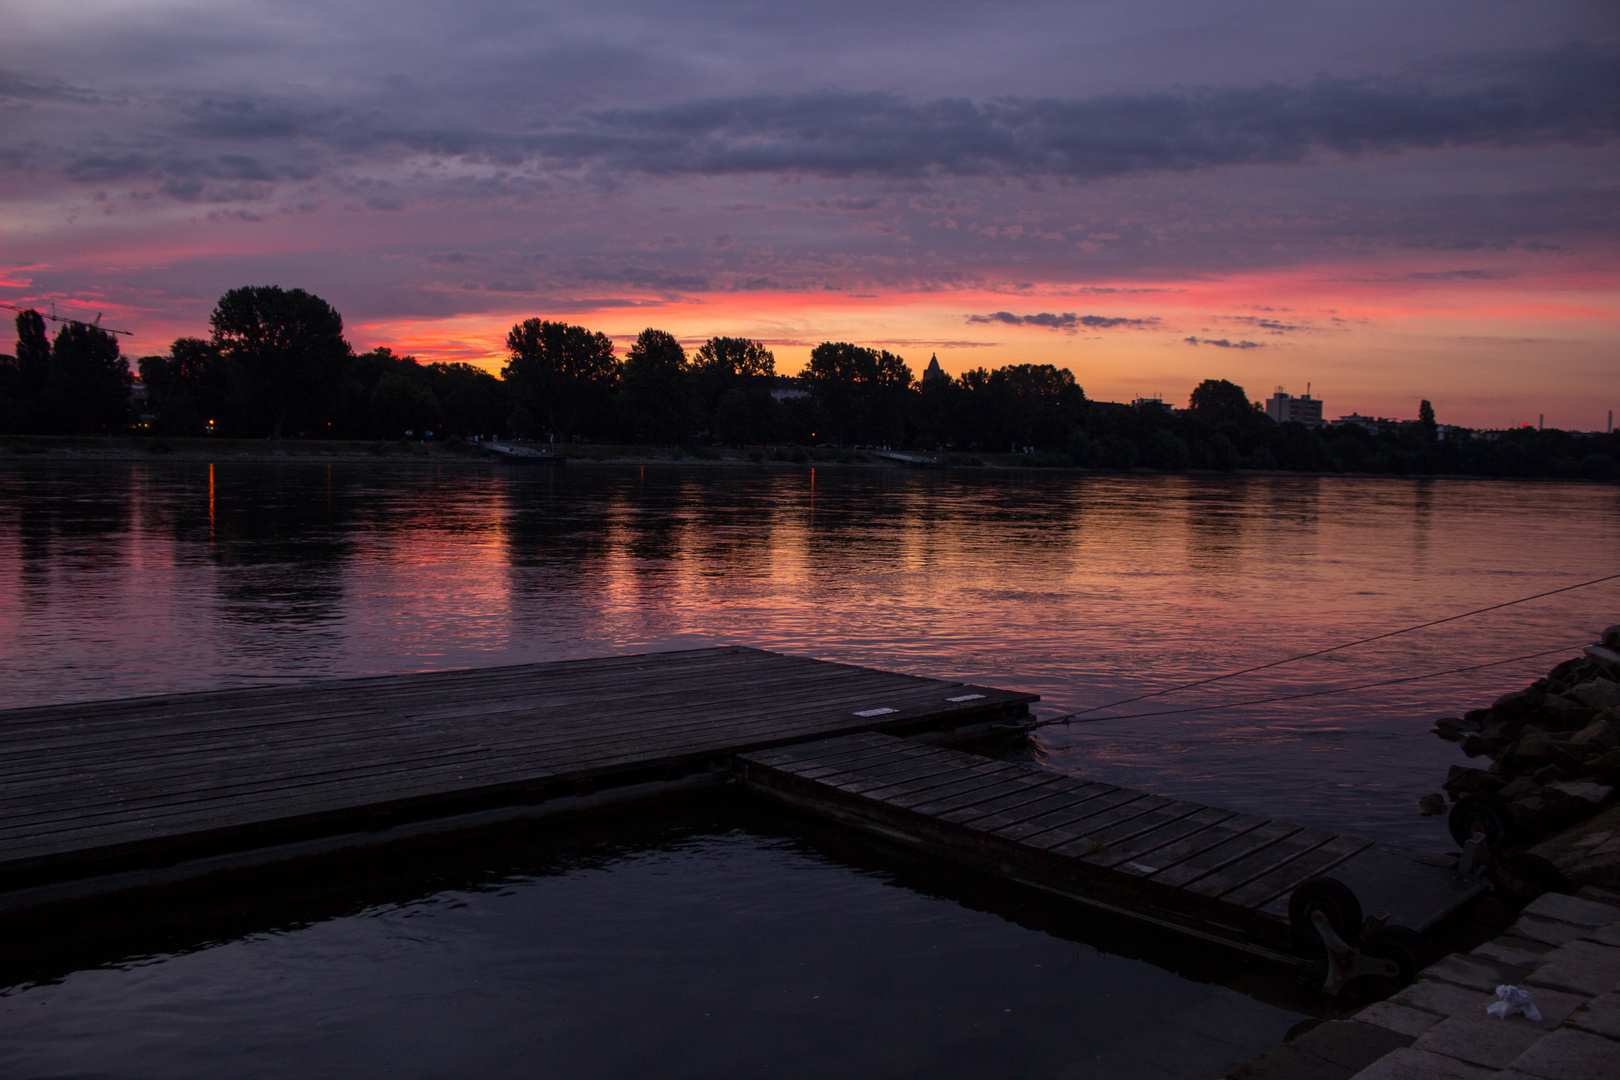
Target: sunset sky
{"type": "Point", "coordinates": [1386, 200]}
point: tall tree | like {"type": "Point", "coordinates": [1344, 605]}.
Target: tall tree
{"type": "Point", "coordinates": [561, 375]}
{"type": "Point", "coordinates": [732, 376]}
{"type": "Point", "coordinates": [1215, 401]}
{"type": "Point", "coordinates": [23, 377]}
{"type": "Point", "coordinates": [33, 353]}
{"type": "Point", "coordinates": [287, 350]}
{"type": "Point", "coordinates": [1038, 405]}
{"type": "Point", "coordinates": [190, 389]}
{"type": "Point", "coordinates": [471, 400]}
{"type": "Point", "coordinates": [861, 391]}
{"type": "Point", "coordinates": [1426, 422]}
{"type": "Point", "coordinates": [88, 386]}
{"type": "Point", "coordinates": [657, 394]}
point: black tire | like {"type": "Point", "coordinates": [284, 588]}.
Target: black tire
{"type": "Point", "coordinates": [1332, 897]}
{"type": "Point", "coordinates": [1409, 950]}
{"type": "Point", "coordinates": [1489, 813]}
{"type": "Point", "coordinates": [1537, 873]}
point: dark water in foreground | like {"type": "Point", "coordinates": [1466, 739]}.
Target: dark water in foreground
{"type": "Point", "coordinates": [714, 947]}
{"type": "Point", "coordinates": [133, 578]}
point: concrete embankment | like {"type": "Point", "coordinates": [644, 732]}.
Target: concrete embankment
{"type": "Point", "coordinates": [1564, 951]}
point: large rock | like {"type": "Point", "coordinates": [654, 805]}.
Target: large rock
{"type": "Point", "coordinates": [1597, 693]}
{"type": "Point", "coordinates": [1598, 737]}
{"type": "Point", "coordinates": [1461, 781]}
{"type": "Point", "coordinates": [1587, 853]}
{"type": "Point", "coordinates": [1559, 712]}
{"type": "Point", "coordinates": [1533, 750]}
{"type": "Point", "coordinates": [1604, 769]}
{"type": "Point", "coordinates": [1594, 795]}
{"type": "Point", "coordinates": [1517, 706]}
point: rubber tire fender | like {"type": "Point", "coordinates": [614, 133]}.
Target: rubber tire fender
{"type": "Point", "coordinates": [1492, 813]}
{"type": "Point", "coordinates": [1334, 898]}
{"type": "Point", "coordinates": [1409, 949]}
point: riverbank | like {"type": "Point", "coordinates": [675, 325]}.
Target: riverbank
{"type": "Point", "coordinates": [1564, 950]}
{"type": "Point", "coordinates": [1554, 749]}
{"type": "Point", "coordinates": [457, 452]}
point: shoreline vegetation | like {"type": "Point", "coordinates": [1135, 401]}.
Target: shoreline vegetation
{"type": "Point", "coordinates": [276, 366]}
{"type": "Point", "coordinates": [455, 451]}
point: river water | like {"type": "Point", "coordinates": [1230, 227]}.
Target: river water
{"type": "Point", "coordinates": [130, 578]}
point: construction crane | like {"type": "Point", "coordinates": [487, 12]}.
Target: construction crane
{"type": "Point", "coordinates": [54, 317]}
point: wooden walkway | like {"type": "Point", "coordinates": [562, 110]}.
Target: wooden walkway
{"type": "Point", "coordinates": [1216, 873]}
{"type": "Point", "coordinates": [118, 793]}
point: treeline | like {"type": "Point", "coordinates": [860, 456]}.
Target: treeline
{"type": "Point", "coordinates": [276, 364]}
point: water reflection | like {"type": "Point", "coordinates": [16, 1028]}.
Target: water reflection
{"type": "Point", "coordinates": [141, 577]}
{"type": "Point", "coordinates": [714, 943]}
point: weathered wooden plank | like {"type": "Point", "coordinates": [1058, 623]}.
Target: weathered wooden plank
{"type": "Point", "coordinates": [123, 772]}
{"type": "Point", "coordinates": [1284, 879]}
{"type": "Point", "coordinates": [1104, 836]}
{"type": "Point", "coordinates": [976, 781]}
{"type": "Point", "coordinates": [1238, 847]}
{"type": "Point", "coordinates": [266, 771]}
{"type": "Point", "coordinates": [363, 718]}
{"type": "Point", "coordinates": [1085, 840]}
{"type": "Point", "coordinates": [917, 770]}
{"type": "Point", "coordinates": [1072, 824]}
{"type": "Point", "coordinates": [1161, 836]}
{"type": "Point", "coordinates": [1196, 844]}
{"type": "Point", "coordinates": [1017, 788]}
{"type": "Point", "coordinates": [663, 711]}
{"type": "Point", "coordinates": [1265, 861]}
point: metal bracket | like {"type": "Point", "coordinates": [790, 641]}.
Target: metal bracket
{"type": "Point", "coordinates": [1472, 860]}
{"type": "Point", "coordinates": [1345, 962]}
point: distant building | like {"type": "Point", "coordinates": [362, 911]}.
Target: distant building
{"type": "Point", "coordinates": [1151, 403]}
{"type": "Point", "coordinates": [787, 388]}
{"type": "Point", "coordinates": [1371, 424]}
{"type": "Point", "coordinates": [933, 370]}
{"type": "Point", "coordinates": [1285, 408]}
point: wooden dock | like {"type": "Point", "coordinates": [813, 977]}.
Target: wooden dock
{"type": "Point", "coordinates": [111, 795]}
{"type": "Point", "coordinates": [1202, 870]}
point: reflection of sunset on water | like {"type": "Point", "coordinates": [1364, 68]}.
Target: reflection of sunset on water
{"type": "Point", "coordinates": [143, 578]}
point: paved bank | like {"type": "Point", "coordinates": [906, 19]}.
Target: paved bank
{"type": "Point", "coordinates": [1565, 950]}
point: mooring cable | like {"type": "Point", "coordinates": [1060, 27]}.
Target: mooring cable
{"type": "Point", "coordinates": [1078, 716]}
{"type": "Point", "coordinates": [1336, 648]}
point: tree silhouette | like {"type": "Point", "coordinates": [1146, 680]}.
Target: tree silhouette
{"type": "Point", "coordinates": [561, 374]}
{"type": "Point", "coordinates": [33, 353]}
{"type": "Point", "coordinates": [656, 395]}
{"type": "Point", "coordinates": [1426, 422]}
{"type": "Point", "coordinates": [87, 389]}
{"type": "Point", "coordinates": [732, 378]}
{"type": "Point", "coordinates": [23, 378]}
{"type": "Point", "coordinates": [861, 391]}
{"type": "Point", "coordinates": [287, 350]}
{"type": "Point", "coordinates": [189, 389]}
{"type": "Point", "coordinates": [1217, 400]}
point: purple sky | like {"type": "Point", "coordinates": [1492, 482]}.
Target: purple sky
{"type": "Point", "coordinates": [1420, 200]}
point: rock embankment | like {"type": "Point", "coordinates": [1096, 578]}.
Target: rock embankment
{"type": "Point", "coordinates": [1554, 746]}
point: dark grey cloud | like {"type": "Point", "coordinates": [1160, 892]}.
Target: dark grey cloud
{"type": "Point", "coordinates": [1275, 326]}
{"type": "Point", "coordinates": [1068, 320]}
{"type": "Point", "coordinates": [1223, 343]}
{"type": "Point", "coordinates": [15, 86]}
{"type": "Point", "coordinates": [1570, 95]}
{"type": "Point", "coordinates": [650, 277]}
{"type": "Point", "coordinates": [248, 118]}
